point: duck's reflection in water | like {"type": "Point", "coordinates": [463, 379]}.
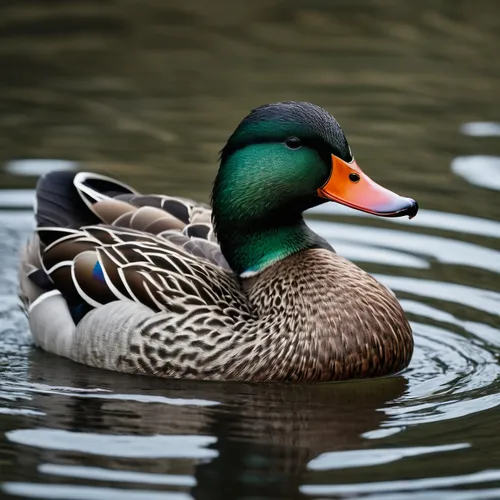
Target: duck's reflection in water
{"type": "Point", "coordinates": [260, 437]}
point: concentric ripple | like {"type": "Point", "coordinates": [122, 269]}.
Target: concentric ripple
{"type": "Point", "coordinates": [93, 434]}
{"type": "Point", "coordinates": [456, 359]}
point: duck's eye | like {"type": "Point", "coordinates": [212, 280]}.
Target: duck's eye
{"type": "Point", "coordinates": [293, 143]}
{"type": "Point", "coordinates": [353, 177]}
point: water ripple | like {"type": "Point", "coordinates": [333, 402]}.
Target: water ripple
{"type": "Point", "coordinates": [38, 167]}
{"type": "Point", "coordinates": [406, 486]}
{"type": "Point", "coordinates": [440, 249]}
{"type": "Point", "coordinates": [482, 300]}
{"type": "Point", "coordinates": [83, 492]}
{"type": "Point", "coordinates": [480, 170]}
{"type": "Point", "coordinates": [453, 375]}
{"type": "Point", "coordinates": [116, 445]}
{"type": "Point", "coordinates": [104, 394]}
{"type": "Point", "coordinates": [366, 458]}
{"type": "Point", "coordinates": [122, 476]}
{"type": "Point", "coordinates": [481, 129]}
{"type": "Point", "coordinates": [426, 218]}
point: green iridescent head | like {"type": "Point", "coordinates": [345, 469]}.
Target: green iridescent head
{"type": "Point", "coordinates": [275, 161]}
{"type": "Point", "coordinates": [278, 163]}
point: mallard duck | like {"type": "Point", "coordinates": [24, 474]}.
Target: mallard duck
{"type": "Point", "coordinates": [244, 290]}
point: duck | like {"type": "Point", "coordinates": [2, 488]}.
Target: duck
{"type": "Point", "coordinates": [238, 290]}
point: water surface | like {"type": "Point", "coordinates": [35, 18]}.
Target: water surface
{"type": "Point", "coordinates": [149, 92]}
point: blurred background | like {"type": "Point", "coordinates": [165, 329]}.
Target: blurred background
{"type": "Point", "coordinates": [148, 91]}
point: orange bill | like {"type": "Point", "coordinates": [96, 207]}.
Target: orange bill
{"type": "Point", "coordinates": [349, 186]}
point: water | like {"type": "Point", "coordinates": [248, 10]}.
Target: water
{"type": "Point", "coordinates": [149, 92]}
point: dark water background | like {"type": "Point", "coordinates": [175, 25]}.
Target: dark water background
{"type": "Point", "coordinates": [149, 91]}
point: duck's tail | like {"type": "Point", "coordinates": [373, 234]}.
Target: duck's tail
{"type": "Point", "coordinates": [65, 199]}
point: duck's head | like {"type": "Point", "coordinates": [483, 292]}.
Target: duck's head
{"type": "Point", "coordinates": [287, 157]}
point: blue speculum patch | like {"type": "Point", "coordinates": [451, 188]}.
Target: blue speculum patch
{"type": "Point", "coordinates": [97, 272]}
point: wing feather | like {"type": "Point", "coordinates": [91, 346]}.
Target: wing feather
{"type": "Point", "coordinates": [157, 250]}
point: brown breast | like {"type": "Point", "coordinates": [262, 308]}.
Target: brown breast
{"type": "Point", "coordinates": [337, 321]}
